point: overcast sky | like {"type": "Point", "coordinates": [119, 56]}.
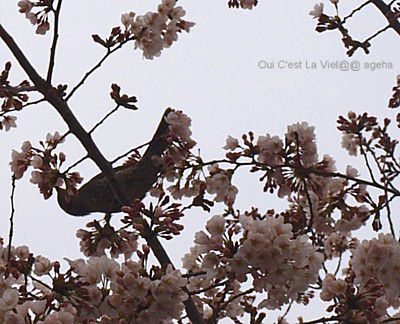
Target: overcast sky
{"type": "Point", "coordinates": [216, 74]}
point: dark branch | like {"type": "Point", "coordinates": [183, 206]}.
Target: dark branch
{"type": "Point", "coordinates": [11, 232]}
{"type": "Point", "coordinates": [385, 10]}
{"type": "Point", "coordinates": [54, 43]}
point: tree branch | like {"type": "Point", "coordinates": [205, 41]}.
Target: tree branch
{"type": "Point", "coordinates": [11, 232]}
{"type": "Point", "coordinates": [385, 9]}
{"type": "Point", "coordinates": [54, 43]}
{"type": "Point", "coordinates": [94, 153]}
{"type": "Point", "coordinates": [63, 109]}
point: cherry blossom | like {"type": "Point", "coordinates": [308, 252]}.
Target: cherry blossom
{"type": "Point", "coordinates": [231, 143]}
{"type": "Point", "coordinates": [8, 122]}
{"type": "Point", "coordinates": [318, 10]}
{"type": "Point", "coordinates": [242, 263]}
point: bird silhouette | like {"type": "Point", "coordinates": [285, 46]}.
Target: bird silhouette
{"type": "Point", "coordinates": [135, 178]}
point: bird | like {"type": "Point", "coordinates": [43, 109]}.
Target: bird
{"type": "Point", "coordinates": [135, 178]}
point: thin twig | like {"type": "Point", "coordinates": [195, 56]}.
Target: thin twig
{"type": "Point", "coordinates": [364, 154]}
{"type": "Point", "coordinates": [287, 309]}
{"type": "Point", "coordinates": [338, 265]}
{"type": "Point", "coordinates": [2, 113]}
{"type": "Point", "coordinates": [94, 68]}
{"type": "Point", "coordinates": [330, 319]}
{"type": "Point", "coordinates": [388, 215]}
{"type": "Point", "coordinates": [54, 42]}
{"type": "Point", "coordinates": [377, 33]}
{"type": "Point", "coordinates": [73, 165]}
{"type": "Point", "coordinates": [355, 10]}
{"type": "Point", "coordinates": [119, 157]}
{"type": "Point", "coordinates": [17, 89]}
{"type": "Point", "coordinates": [104, 118]}
{"type": "Point", "coordinates": [33, 102]}
{"type": "Point", "coordinates": [223, 306]}
{"type": "Point", "coordinates": [201, 291]}
{"type": "Point", "coordinates": [11, 232]}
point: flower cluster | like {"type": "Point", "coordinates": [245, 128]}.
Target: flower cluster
{"type": "Point", "coordinates": [97, 290]}
{"type": "Point", "coordinates": [326, 23]}
{"type": "Point", "coordinates": [179, 142]}
{"type": "Point", "coordinates": [335, 244]}
{"type": "Point", "coordinates": [219, 183]}
{"type": "Point", "coordinates": [292, 167]}
{"type": "Point", "coordinates": [162, 218]}
{"type": "Point", "coordinates": [46, 166]}
{"type": "Point", "coordinates": [208, 264]}
{"type": "Point", "coordinates": [286, 164]}
{"type": "Point", "coordinates": [99, 238]}
{"type": "Point", "coordinates": [352, 129]}
{"type": "Point", "coordinates": [39, 18]}
{"type": "Point", "coordinates": [151, 32]}
{"type": "Point", "coordinates": [379, 258]}
{"type": "Point", "coordinates": [13, 98]}
{"type": "Point", "coordinates": [122, 100]}
{"type": "Point", "coordinates": [355, 303]}
{"type": "Point", "coordinates": [158, 300]}
{"type": "Point", "coordinates": [281, 265]}
{"type": "Point", "coordinates": [179, 127]}
{"type": "Point", "coordinates": [177, 160]}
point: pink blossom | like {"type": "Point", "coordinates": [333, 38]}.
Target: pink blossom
{"type": "Point", "coordinates": [220, 185]}
{"type": "Point", "coordinates": [37, 162]}
{"type": "Point", "coordinates": [9, 300]}
{"type": "Point", "coordinates": [42, 266]}
{"type": "Point", "coordinates": [127, 19]}
{"type": "Point", "coordinates": [332, 287]}
{"type": "Point", "coordinates": [270, 150]}
{"type": "Point", "coordinates": [166, 7]}
{"type": "Point", "coordinates": [8, 122]}
{"type": "Point", "coordinates": [19, 163]}
{"type": "Point", "coordinates": [22, 252]}
{"type": "Point", "coordinates": [216, 225]}
{"type": "Point", "coordinates": [305, 136]}
{"type": "Point", "coordinates": [231, 143]}
{"type": "Point", "coordinates": [25, 6]}
{"type": "Point", "coordinates": [350, 143]}
{"type": "Point", "coordinates": [32, 18]}
{"type": "Point", "coordinates": [318, 10]}
{"type": "Point", "coordinates": [379, 258]}
{"type": "Point", "coordinates": [179, 124]}
{"type": "Point", "coordinates": [37, 306]}
{"type": "Point", "coordinates": [53, 140]}
{"type": "Point", "coordinates": [43, 28]}
{"type": "Point", "coordinates": [36, 177]}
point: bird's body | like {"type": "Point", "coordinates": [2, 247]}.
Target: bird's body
{"type": "Point", "coordinates": [135, 178]}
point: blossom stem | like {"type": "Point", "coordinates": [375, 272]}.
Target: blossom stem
{"type": "Point", "coordinates": [54, 42]}
{"type": "Point", "coordinates": [11, 232]}
{"type": "Point", "coordinates": [355, 10]}
{"type": "Point", "coordinates": [94, 68]}
{"type": "Point", "coordinates": [103, 119]}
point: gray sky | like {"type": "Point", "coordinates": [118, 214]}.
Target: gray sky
{"type": "Point", "coordinates": [213, 74]}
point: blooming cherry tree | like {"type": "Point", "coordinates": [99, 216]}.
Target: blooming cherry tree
{"type": "Point", "coordinates": [243, 263]}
